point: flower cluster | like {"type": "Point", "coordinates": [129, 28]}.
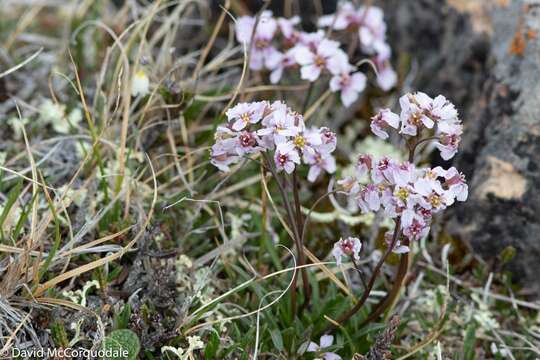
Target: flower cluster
{"type": "Point", "coordinates": [313, 53]}
{"type": "Point", "coordinates": [369, 22]}
{"type": "Point", "coordinates": [263, 127]}
{"type": "Point", "coordinates": [405, 192]}
{"type": "Point", "coordinates": [402, 190]}
{"type": "Point", "coordinates": [418, 112]}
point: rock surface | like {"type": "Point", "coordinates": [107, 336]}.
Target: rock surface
{"type": "Point", "coordinates": [485, 57]}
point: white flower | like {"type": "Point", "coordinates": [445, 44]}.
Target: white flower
{"type": "Point", "coordinates": [140, 85]}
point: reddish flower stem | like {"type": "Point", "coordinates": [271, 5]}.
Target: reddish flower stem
{"type": "Point", "coordinates": [296, 233]}
{"type": "Point", "coordinates": [400, 276]}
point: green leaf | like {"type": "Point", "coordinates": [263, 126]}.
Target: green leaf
{"type": "Point", "coordinates": [507, 254]}
{"type": "Point", "coordinates": [469, 342]}
{"type": "Point", "coordinates": [121, 344]}
{"type": "Point", "coordinates": [212, 346]}
{"type": "Point", "coordinates": [277, 339]}
{"type": "Point", "coordinates": [121, 319]}
{"type": "Point", "coordinates": [58, 333]}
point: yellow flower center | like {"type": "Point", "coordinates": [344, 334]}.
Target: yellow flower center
{"type": "Point", "coordinates": [430, 175]}
{"type": "Point", "coordinates": [435, 200]}
{"type": "Point", "coordinates": [320, 61]}
{"type": "Point", "coordinates": [402, 194]}
{"type": "Point", "coordinates": [299, 141]}
{"type": "Point", "coordinates": [415, 118]}
{"type": "Point", "coordinates": [245, 117]}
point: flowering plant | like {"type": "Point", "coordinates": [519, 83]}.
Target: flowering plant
{"type": "Point", "coordinates": [408, 194]}
{"type": "Point", "coordinates": [279, 135]}
{"type": "Point", "coordinates": [264, 127]}
{"type": "Point", "coordinates": [275, 44]}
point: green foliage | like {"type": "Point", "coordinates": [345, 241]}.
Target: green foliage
{"type": "Point", "coordinates": [122, 340]}
{"type": "Point", "coordinates": [212, 346]}
{"type": "Point", "coordinates": [121, 319]}
{"type": "Point", "coordinates": [58, 333]}
{"type": "Point", "coordinates": [469, 343]}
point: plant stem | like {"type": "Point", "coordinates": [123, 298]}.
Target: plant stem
{"type": "Point", "coordinates": [308, 95]}
{"type": "Point", "coordinates": [294, 228]}
{"type": "Point", "coordinates": [394, 292]}
{"type": "Point", "coordinates": [371, 282]}
{"type": "Point", "coordinates": [401, 273]}
{"type": "Point", "coordinates": [360, 272]}
{"type": "Point", "coordinates": [299, 229]}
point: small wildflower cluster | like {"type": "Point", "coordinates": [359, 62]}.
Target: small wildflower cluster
{"type": "Point", "coordinates": [369, 22]}
{"type": "Point", "coordinates": [418, 112]}
{"type": "Point", "coordinates": [403, 191]}
{"type": "Point", "coordinates": [313, 53]}
{"type": "Point", "coordinates": [263, 127]}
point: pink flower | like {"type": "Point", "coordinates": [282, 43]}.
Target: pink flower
{"type": "Point", "coordinates": [284, 61]}
{"type": "Point", "coordinates": [372, 31]}
{"type": "Point", "coordinates": [404, 173]}
{"type": "Point", "coordinates": [414, 110]}
{"type": "Point", "coordinates": [247, 142]}
{"type": "Point", "coordinates": [244, 114]}
{"type": "Point", "coordinates": [449, 138]}
{"type": "Point", "coordinates": [286, 157]}
{"type": "Point", "coordinates": [345, 17]}
{"type": "Point", "coordinates": [432, 193]}
{"type": "Point", "coordinates": [324, 342]}
{"type": "Point", "coordinates": [222, 154]}
{"type": "Point", "coordinates": [350, 185]}
{"type": "Point", "coordinates": [443, 110]}
{"type": "Point", "coordinates": [391, 206]}
{"type": "Point", "coordinates": [369, 199]}
{"type": "Point", "coordinates": [455, 181]}
{"type": "Point", "coordinates": [262, 51]}
{"type": "Point", "coordinates": [417, 230]}
{"type": "Point", "coordinates": [329, 139]}
{"type": "Point", "coordinates": [383, 170]}
{"type": "Point", "coordinates": [280, 123]}
{"type": "Point", "coordinates": [349, 84]}
{"type": "Point", "coordinates": [287, 28]}
{"type": "Point", "coordinates": [306, 140]}
{"type": "Point", "coordinates": [266, 27]}
{"type": "Point", "coordinates": [387, 77]}
{"type": "Point", "coordinates": [311, 40]}
{"type": "Point", "coordinates": [319, 161]}
{"type": "Point", "coordinates": [363, 165]}
{"type": "Point", "coordinates": [383, 120]}
{"type": "Point", "coordinates": [313, 62]}
{"type": "Point", "coordinates": [350, 246]}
